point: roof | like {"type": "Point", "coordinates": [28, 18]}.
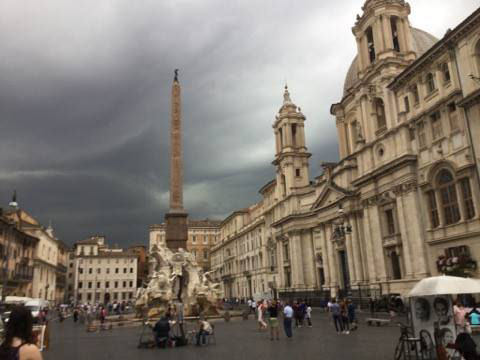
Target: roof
{"type": "Point", "coordinates": [267, 186]}
{"type": "Point", "coordinates": [422, 42]}
{"type": "Point", "coordinates": [204, 223]}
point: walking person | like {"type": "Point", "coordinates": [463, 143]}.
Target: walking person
{"type": "Point", "coordinates": [260, 312]}
{"type": "Point", "coordinates": [297, 314]}
{"type": "Point", "coordinates": [352, 317]}
{"type": "Point", "coordinates": [19, 341]}
{"type": "Point", "coordinates": [249, 303]}
{"type": "Point", "coordinates": [308, 315]}
{"type": "Point", "coordinates": [287, 320]}
{"type": "Point", "coordinates": [273, 319]}
{"type": "Point", "coordinates": [336, 315]}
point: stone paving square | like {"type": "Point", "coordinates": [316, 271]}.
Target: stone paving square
{"type": "Point", "coordinates": [236, 340]}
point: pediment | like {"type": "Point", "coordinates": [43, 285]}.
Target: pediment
{"type": "Point", "coordinates": [331, 193]}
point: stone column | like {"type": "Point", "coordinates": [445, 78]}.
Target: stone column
{"type": "Point", "coordinates": [406, 247]}
{"type": "Point", "coordinates": [298, 280]}
{"type": "Point", "coordinates": [350, 260]}
{"type": "Point", "coordinates": [357, 259]}
{"type": "Point", "coordinates": [325, 256]}
{"type": "Point", "coordinates": [360, 56]}
{"type": "Point", "coordinates": [416, 231]}
{"type": "Point", "coordinates": [376, 234]}
{"type": "Point", "coordinates": [277, 142]}
{"type": "Point", "coordinates": [288, 130]}
{"type": "Point", "coordinates": [387, 32]}
{"type": "Point", "coordinates": [301, 131]}
{"type": "Point", "coordinates": [372, 274]}
{"type": "Point", "coordinates": [377, 37]}
{"type": "Point", "coordinates": [332, 255]}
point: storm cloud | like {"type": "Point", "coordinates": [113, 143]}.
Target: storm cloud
{"type": "Point", "coordinates": [85, 101]}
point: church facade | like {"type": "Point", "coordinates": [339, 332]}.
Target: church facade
{"type": "Point", "coordinates": [403, 201]}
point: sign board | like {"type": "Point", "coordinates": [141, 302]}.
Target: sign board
{"type": "Point", "coordinates": [433, 322]}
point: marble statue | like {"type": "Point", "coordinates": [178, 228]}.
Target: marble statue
{"type": "Point", "coordinates": [176, 277]}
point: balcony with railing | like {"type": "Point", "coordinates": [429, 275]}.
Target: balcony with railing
{"type": "Point", "coordinates": [22, 273]}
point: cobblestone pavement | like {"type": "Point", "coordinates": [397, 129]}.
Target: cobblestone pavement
{"type": "Point", "coordinates": [237, 339]}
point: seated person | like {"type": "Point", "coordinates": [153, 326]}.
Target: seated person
{"type": "Point", "coordinates": [161, 331]}
{"type": "Point", "coordinates": [204, 329]}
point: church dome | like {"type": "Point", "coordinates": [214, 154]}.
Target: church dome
{"type": "Point", "coordinates": [422, 41]}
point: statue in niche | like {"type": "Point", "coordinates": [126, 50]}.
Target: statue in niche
{"type": "Point", "coordinates": [360, 137]}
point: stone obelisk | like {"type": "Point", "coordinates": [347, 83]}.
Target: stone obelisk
{"type": "Point", "coordinates": [176, 217]}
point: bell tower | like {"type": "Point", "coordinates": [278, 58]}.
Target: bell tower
{"type": "Point", "coordinates": [291, 155]}
{"type": "Point", "coordinates": [383, 31]}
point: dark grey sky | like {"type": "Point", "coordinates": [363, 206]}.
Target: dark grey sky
{"type": "Point", "coordinates": [84, 101]}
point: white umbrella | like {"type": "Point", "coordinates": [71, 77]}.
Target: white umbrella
{"type": "Point", "coordinates": [445, 285]}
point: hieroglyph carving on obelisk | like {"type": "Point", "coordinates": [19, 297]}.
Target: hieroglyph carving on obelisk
{"type": "Point", "coordinates": [176, 163]}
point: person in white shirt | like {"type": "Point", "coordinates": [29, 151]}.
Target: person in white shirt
{"type": "Point", "coordinates": [287, 320]}
{"type": "Point", "coordinates": [309, 315]}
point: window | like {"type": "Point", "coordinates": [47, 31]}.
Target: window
{"type": "Point", "coordinates": [396, 270]}
{"type": "Point", "coordinates": [205, 239]}
{"type": "Point", "coordinates": [288, 278]}
{"type": "Point", "coordinates": [80, 285]}
{"type": "Point", "coordinates": [124, 270]}
{"type": "Point", "coordinates": [430, 81]}
{"type": "Point", "coordinates": [422, 137]}
{"type": "Point", "coordinates": [380, 112]}
{"type": "Point", "coordinates": [89, 284]}
{"type": "Point", "coordinates": [432, 203]}
{"type": "Point", "coordinates": [390, 222]}
{"type": "Point", "coordinates": [436, 122]}
{"type": "Point", "coordinates": [194, 239]}
{"type": "Point", "coordinates": [467, 198]}
{"type": "Point", "coordinates": [280, 132]}
{"type": "Point", "coordinates": [108, 270]}
{"type": "Point", "coordinates": [99, 285]}
{"type": "Point", "coordinates": [448, 196]}
{"type": "Point", "coordinates": [115, 284]}
{"type": "Point", "coordinates": [107, 284]}
{"type": "Point", "coordinates": [452, 116]}
{"type": "Point", "coordinates": [99, 271]}
{"type": "Point", "coordinates": [286, 251]}
{"type": "Point", "coordinates": [205, 254]}
{"type": "Point", "coordinates": [407, 104]}
{"type": "Point", "coordinates": [90, 270]}
{"type": "Point", "coordinates": [131, 270]}
{"type": "Point", "coordinates": [393, 25]}
{"type": "Point", "coordinates": [131, 283]}
{"type": "Point", "coordinates": [416, 95]}
{"type": "Point", "coordinates": [294, 135]}
{"type": "Point", "coordinates": [297, 172]}
{"type": "Point", "coordinates": [445, 73]}
{"type": "Point", "coordinates": [370, 45]}
{"type": "Point", "coordinates": [116, 270]}
{"type": "Point", "coordinates": [124, 284]}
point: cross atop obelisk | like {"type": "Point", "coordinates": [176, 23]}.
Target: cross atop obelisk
{"type": "Point", "coordinates": [176, 218]}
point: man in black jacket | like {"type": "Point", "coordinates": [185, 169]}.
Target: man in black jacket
{"type": "Point", "coordinates": [161, 331]}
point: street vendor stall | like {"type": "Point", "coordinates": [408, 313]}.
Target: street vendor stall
{"type": "Point", "coordinates": [432, 315]}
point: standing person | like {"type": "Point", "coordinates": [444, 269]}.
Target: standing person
{"type": "Point", "coordinates": [103, 315]}
{"type": "Point", "coordinates": [273, 319]}
{"type": "Point", "coordinates": [459, 313]}
{"type": "Point", "coordinates": [296, 314]}
{"type": "Point", "coordinates": [254, 307]}
{"type": "Point", "coordinates": [308, 315]}
{"type": "Point", "coordinates": [19, 340]}
{"type": "Point", "coordinates": [75, 315]}
{"type": "Point", "coordinates": [352, 318]}
{"type": "Point", "coordinates": [329, 305]}
{"type": "Point", "coordinates": [336, 315]}
{"type": "Point", "coordinates": [344, 314]}
{"type": "Point", "coordinates": [249, 303]}
{"type": "Point", "coordinates": [287, 319]}
{"type": "Point", "coordinates": [371, 306]}
{"type": "Point", "coordinates": [260, 312]}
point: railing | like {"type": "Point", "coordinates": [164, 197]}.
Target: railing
{"type": "Point", "coordinates": [22, 273]}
